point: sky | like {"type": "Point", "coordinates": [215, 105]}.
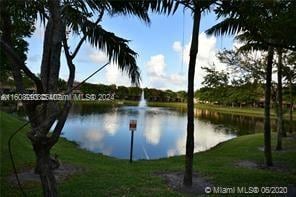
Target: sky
{"type": "Point", "coordinates": [162, 47]}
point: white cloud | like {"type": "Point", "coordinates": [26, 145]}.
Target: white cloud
{"type": "Point", "coordinates": [206, 50]}
{"type": "Point", "coordinates": [177, 46]}
{"type": "Point", "coordinates": [113, 74]}
{"type": "Point", "coordinates": [98, 57]}
{"type": "Point", "coordinates": [177, 79]}
{"type": "Point", "coordinates": [158, 76]}
{"type": "Point", "coordinates": [156, 65]}
{"type": "Point", "coordinates": [206, 56]}
{"type": "Point", "coordinates": [116, 76]}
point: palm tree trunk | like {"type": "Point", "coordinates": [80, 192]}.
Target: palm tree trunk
{"type": "Point", "coordinates": [291, 106]}
{"type": "Point", "coordinates": [190, 101]}
{"type": "Point", "coordinates": [280, 132]}
{"type": "Point", "coordinates": [267, 131]}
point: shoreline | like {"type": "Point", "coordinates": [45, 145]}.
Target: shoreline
{"type": "Point", "coordinates": [244, 111]}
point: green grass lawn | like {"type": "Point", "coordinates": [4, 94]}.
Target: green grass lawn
{"type": "Point", "coordinates": [106, 176]}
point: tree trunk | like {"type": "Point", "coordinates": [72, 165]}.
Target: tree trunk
{"type": "Point", "coordinates": [44, 167]}
{"type": "Point", "coordinates": [280, 132]}
{"type": "Point", "coordinates": [43, 115]}
{"type": "Point", "coordinates": [267, 131]}
{"type": "Point", "coordinates": [291, 108]}
{"type": "Point", "coordinates": [190, 101]}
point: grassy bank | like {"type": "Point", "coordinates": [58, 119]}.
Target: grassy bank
{"type": "Point", "coordinates": [106, 176]}
{"type": "Point", "coordinates": [247, 111]}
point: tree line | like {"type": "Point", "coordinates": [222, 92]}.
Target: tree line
{"type": "Point", "coordinates": [242, 82]}
{"type": "Point", "coordinates": [131, 93]}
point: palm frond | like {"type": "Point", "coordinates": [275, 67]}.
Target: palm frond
{"type": "Point", "coordinates": [252, 43]}
{"type": "Point", "coordinates": [116, 48]}
{"type": "Point", "coordinates": [133, 8]}
{"type": "Point", "coordinates": [161, 6]}
{"type": "Point", "coordinates": [252, 46]}
{"type": "Point", "coordinates": [206, 5]}
{"type": "Point", "coordinates": [229, 26]}
{"type": "Point", "coordinates": [74, 18]}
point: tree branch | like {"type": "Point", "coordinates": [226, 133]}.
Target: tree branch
{"type": "Point", "coordinates": [64, 112]}
{"type": "Point", "coordinates": [61, 122]}
{"type": "Point", "coordinates": [70, 64]}
{"type": "Point", "coordinates": [17, 61]}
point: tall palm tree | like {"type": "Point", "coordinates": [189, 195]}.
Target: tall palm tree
{"type": "Point", "coordinates": [254, 45]}
{"type": "Point", "coordinates": [266, 23]}
{"type": "Point", "coordinates": [62, 18]}
{"type": "Point", "coordinates": [196, 7]}
{"type": "Point", "coordinates": [267, 94]}
{"type": "Point", "coordinates": [280, 131]}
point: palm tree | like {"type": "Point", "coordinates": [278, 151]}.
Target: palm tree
{"type": "Point", "coordinates": [63, 18]}
{"type": "Point", "coordinates": [254, 45]}
{"type": "Point", "coordinates": [280, 131]}
{"type": "Point", "coordinates": [267, 131]}
{"type": "Point", "coordinates": [196, 7]}
{"type": "Point", "coordinates": [265, 23]}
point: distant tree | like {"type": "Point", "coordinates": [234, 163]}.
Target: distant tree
{"type": "Point", "coordinates": [112, 88]}
{"type": "Point", "coordinates": [244, 66]}
{"type": "Point", "coordinates": [134, 92]}
{"type": "Point", "coordinates": [122, 92]}
{"type": "Point", "coordinates": [170, 95]}
{"type": "Point", "coordinates": [214, 78]}
{"type": "Point", "coordinates": [182, 95]}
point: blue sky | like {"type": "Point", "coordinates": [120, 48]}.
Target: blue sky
{"type": "Point", "coordinates": [160, 49]}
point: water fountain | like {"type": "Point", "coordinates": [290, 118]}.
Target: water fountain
{"type": "Point", "coordinates": [142, 111]}
{"type": "Point", "coordinates": [142, 102]}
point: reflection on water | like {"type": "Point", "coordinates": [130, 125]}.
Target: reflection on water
{"type": "Point", "coordinates": [161, 132]}
{"type": "Point", "coordinates": [242, 125]}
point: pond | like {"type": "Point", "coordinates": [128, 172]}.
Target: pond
{"type": "Point", "coordinates": [161, 132]}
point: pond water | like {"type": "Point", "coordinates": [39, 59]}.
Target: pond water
{"type": "Point", "coordinates": [161, 132]}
